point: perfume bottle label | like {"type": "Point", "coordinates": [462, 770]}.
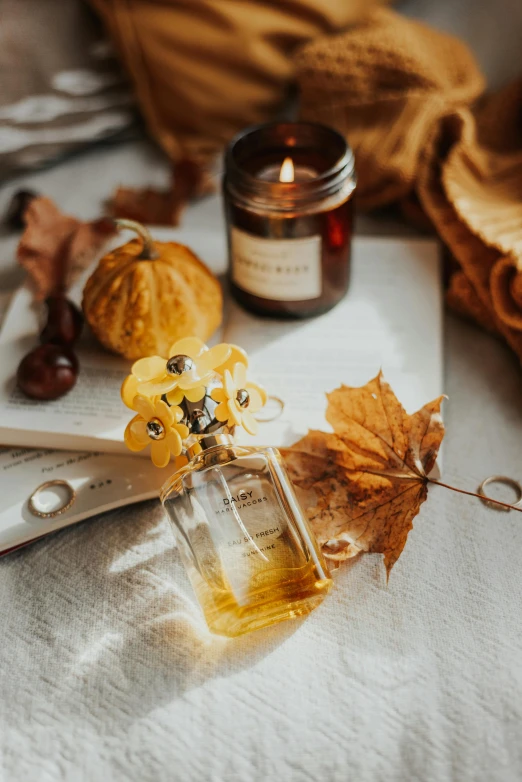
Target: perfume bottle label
{"type": "Point", "coordinates": [240, 531]}
{"type": "Point", "coordinates": [278, 269]}
{"type": "Point", "coordinates": [263, 540]}
{"type": "Point", "coordinates": [245, 499]}
{"type": "Point", "coordinates": [248, 519]}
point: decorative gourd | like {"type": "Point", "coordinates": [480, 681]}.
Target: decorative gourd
{"type": "Point", "coordinates": [146, 295]}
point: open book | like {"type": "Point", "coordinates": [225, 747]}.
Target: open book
{"type": "Point", "coordinates": [390, 319]}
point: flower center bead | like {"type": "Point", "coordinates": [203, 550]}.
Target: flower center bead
{"type": "Point", "coordinates": [243, 397]}
{"type": "Point", "coordinates": [155, 429]}
{"type": "Point", "coordinates": [176, 365]}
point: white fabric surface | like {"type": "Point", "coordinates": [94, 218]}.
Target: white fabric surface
{"type": "Point", "coordinates": [107, 671]}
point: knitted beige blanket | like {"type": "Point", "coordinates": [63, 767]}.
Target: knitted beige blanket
{"type": "Point", "coordinates": [411, 102]}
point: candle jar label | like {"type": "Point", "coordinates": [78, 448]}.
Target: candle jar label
{"type": "Point", "coordinates": [279, 269]}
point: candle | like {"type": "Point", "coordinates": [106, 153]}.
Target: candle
{"type": "Point", "coordinates": [287, 172]}
{"type": "Point", "coordinates": [288, 201]}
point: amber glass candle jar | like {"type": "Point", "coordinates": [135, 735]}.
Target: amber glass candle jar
{"type": "Point", "coordinates": [288, 191]}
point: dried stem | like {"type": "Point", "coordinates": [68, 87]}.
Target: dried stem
{"type": "Point", "coordinates": [148, 252]}
{"type": "Point", "coordinates": [475, 494]}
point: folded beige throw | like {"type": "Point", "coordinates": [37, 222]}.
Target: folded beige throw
{"type": "Point", "coordinates": [411, 102]}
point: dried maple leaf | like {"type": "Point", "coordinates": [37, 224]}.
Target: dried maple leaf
{"type": "Point", "coordinates": [162, 207]}
{"type": "Point", "coordinates": [55, 248]}
{"type": "Point", "coordinates": [365, 483]}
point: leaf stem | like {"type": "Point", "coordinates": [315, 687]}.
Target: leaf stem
{"type": "Point", "coordinates": [474, 494]}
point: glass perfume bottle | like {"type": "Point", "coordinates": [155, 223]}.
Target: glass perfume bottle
{"type": "Point", "coordinates": [244, 539]}
{"type": "Point", "coordinates": [241, 533]}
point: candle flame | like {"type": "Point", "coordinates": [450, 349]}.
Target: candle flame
{"type": "Point", "coordinates": [287, 170]}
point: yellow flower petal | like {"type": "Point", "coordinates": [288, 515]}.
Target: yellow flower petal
{"type": "Point", "coordinates": [163, 412]}
{"type": "Point", "coordinates": [256, 399]}
{"type": "Point", "coordinates": [160, 452]}
{"type": "Point", "coordinates": [188, 346]}
{"type": "Point", "coordinates": [240, 377]}
{"type": "Point", "coordinates": [261, 390]}
{"type": "Point", "coordinates": [130, 441]}
{"type": "Point", "coordinates": [177, 414]}
{"type": "Point", "coordinates": [144, 407]}
{"type": "Point", "coordinates": [221, 412]}
{"type": "Point", "coordinates": [249, 423]}
{"type": "Point", "coordinates": [218, 394]}
{"type": "Point", "coordinates": [234, 413]}
{"type": "Point", "coordinates": [138, 430]}
{"type": "Point", "coordinates": [193, 380]}
{"type": "Point", "coordinates": [237, 355]}
{"type": "Point", "coordinates": [159, 387]}
{"type": "Point", "coordinates": [174, 442]}
{"type": "Point", "coordinates": [182, 430]}
{"type": "Point", "coordinates": [149, 368]}
{"type": "Point", "coordinates": [228, 384]}
{"type": "Point", "coordinates": [129, 389]}
{"type": "Point", "coordinates": [175, 397]}
{"type": "Point", "coordinates": [195, 394]}
{"type": "Point", "coordinates": [212, 358]}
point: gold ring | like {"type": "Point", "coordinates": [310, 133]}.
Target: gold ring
{"type": "Point", "coordinates": [52, 513]}
{"type": "Point", "coordinates": [515, 485]}
{"type": "Point", "coordinates": [262, 419]}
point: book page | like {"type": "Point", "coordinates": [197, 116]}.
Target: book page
{"type": "Point", "coordinates": [390, 319]}
{"type": "Point", "coordinates": [92, 410]}
{"type": "Point", "coordinates": [101, 482]}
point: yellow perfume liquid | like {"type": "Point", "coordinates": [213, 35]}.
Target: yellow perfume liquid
{"type": "Point", "coordinates": [249, 552]}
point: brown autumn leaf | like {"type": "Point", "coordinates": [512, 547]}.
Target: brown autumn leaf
{"type": "Point", "coordinates": [364, 484]}
{"type": "Point", "coordinates": [162, 207]}
{"type": "Point", "coordinates": [55, 248]}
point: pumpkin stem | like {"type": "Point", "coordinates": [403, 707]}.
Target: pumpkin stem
{"type": "Point", "coordinates": [148, 252]}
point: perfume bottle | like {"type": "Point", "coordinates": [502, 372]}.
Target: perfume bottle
{"type": "Point", "coordinates": [244, 539]}
{"type": "Point", "coordinates": [241, 533]}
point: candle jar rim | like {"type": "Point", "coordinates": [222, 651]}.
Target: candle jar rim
{"type": "Point", "coordinates": [250, 142]}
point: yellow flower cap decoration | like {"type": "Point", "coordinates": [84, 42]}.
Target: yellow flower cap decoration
{"type": "Point", "coordinates": [237, 356]}
{"type": "Point", "coordinates": [184, 374]}
{"type": "Point", "coordinates": [129, 390]}
{"type": "Point", "coordinates": [164, 392]}
{"type": "Point", "coordinates": [239, 399]}
{"type": "Point", "coordinates": [156, 424]}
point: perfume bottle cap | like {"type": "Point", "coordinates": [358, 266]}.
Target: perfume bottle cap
{"type": "Point", "coordinates": [199, 416]}
{"type": "Point", "coordinates": [209, 441]}
{"type": "Point", "coordinates": [183, 401]}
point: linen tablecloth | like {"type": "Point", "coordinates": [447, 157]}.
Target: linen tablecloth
{"type": "Point", "coordinates": [108, 673]}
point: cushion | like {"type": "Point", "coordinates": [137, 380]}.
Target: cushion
{"type": "Point", "coordinates": [204, 69]}
{"type": "Point", "coordinates": [61, 87]}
